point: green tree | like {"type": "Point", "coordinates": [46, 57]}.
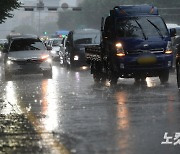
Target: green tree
{"type": "Point", "coordinates": [6, 6]}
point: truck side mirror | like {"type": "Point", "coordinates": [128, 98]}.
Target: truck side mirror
{"type": "Point", "coordinates": [172, 32]}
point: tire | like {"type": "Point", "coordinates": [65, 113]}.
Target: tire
{"type": "Point", "coordinates": [112, 75]}
{"type": "Point", "coordinates": [8, 76]}
{"type": "Point", "coordinates": [47, 74]}
{"type": "Point", "coordinates": [164, 76]}
{"type": "Point", "coordinates": [178, 74]}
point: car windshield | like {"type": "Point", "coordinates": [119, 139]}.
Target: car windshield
{"type": "Point", "coordinates": [26, 44]}
{"type": "Point", "coordinates": [143, 27]}
{"type": "Point", "coordinates": [56, 42]}
{"type": "Point", "coordinates": [93, 38]}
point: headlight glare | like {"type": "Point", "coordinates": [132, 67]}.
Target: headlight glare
{"type": "Point", "coordinates": [9, 62]}
{"type": "Point", "coordinates": [53, 51]}
{"type": "Point", "coordinates": [76, 57]}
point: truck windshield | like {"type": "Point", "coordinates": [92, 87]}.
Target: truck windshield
{"type": "Point", "coordinates": [143, 27]}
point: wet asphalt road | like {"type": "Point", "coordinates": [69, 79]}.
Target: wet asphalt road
{"type": "Point", "coordinates": [72, 114]}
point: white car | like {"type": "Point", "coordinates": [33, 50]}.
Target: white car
{"type": "Point", "coordinates": [27, 54]}
{"type": "Point", "coordinates": [54, 43]}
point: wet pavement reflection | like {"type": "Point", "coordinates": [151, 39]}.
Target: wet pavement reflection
{"type": "Point", "coordinates": [72, 114]}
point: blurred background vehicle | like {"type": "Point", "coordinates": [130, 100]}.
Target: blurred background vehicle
{"type": "Point", "coordinates": [26, 54]}
{"type": "Point", "coordinates": [75, 46]}
{"type": "Point", "coordinates": [54, 43]}
{"type": "Point", "coordinates": [175, 40]}
{"type": "Point", "coordinates": [61, 33]}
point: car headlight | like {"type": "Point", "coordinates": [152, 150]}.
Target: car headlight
{"type": "Point", "coordinates": [46, 58]}
{"type": "Point", "coordinates": [53, 51]}
{"type": "Point", "coordinates": [76, 57]}
{"type": "Point", "coordinates": [9, 62]}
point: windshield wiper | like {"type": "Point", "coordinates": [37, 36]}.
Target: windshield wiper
{"type": "Point", "coordinates": [141, 29]}
{"type": "Point", "coordinates": [158, 30]}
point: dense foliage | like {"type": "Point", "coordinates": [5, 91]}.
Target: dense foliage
{"type": "Point", "coordinates": [93, 10]}
{"type": "Point", "coordinates": [6, 6]}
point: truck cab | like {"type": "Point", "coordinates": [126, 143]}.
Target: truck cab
{"type": "Point", "coordinates": [135, 44]}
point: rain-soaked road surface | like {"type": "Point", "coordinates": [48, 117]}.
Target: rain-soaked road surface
{"type": "Point", "coordinates": [71, 114]}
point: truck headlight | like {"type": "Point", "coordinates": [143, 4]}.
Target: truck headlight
{"type": "Point", "coordinates": [76, 58]}
{"type": "Point", "coordinates": [119, 49]}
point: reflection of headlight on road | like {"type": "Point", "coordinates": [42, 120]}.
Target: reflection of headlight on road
{"type": "Point", "coordinates": [53, 51]}
{"type": "Point", "coordinates": [0, 54]}
{"type": "Point", "coordinates": [9, 62]}
{"type": "Point", "coordinates": [76, 57]}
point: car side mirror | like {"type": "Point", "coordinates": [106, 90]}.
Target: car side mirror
{"type": "Point", "coordinates": [172, 32]}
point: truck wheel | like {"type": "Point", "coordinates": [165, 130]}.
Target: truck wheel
{"type": "Point", "coordinates": [178, 74]}
{"type": "Point", "coordinates": [164, 76]}
{"type": "Point", "coordinates": [112, 76]}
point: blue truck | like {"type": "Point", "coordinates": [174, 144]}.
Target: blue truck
{"type": "Point", "coordinates": [135, 43]}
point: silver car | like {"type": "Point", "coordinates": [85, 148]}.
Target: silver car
{"type": "Point", "coordinates": [27, 54]}
{"type": "Point", "coordinates": [54, 43]}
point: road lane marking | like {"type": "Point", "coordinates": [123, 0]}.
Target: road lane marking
{"type": "Point", "coordinates": [47, 138]}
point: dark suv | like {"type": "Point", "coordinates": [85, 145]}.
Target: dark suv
{"type": "Point", "coordinates": [75, 46]}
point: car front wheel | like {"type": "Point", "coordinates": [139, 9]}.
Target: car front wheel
{"type": "Point", "coordinates": [164, 76]}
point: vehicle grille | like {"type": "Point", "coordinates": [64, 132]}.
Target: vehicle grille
{"type": "Point", "coordinates": [28, 61]}
{"type": "Point", "coordinates": [137, 52]}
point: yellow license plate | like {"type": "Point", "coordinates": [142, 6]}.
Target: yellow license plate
{"type": "Point", "coordinates": [146, 60]}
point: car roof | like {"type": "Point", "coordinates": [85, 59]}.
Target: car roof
{"type": "Point", "coordinates": [86, 31]}
{"type": "Point", "coordinates": [55, 39]}
{"type": "Point", "coordinates": [27, 36]}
